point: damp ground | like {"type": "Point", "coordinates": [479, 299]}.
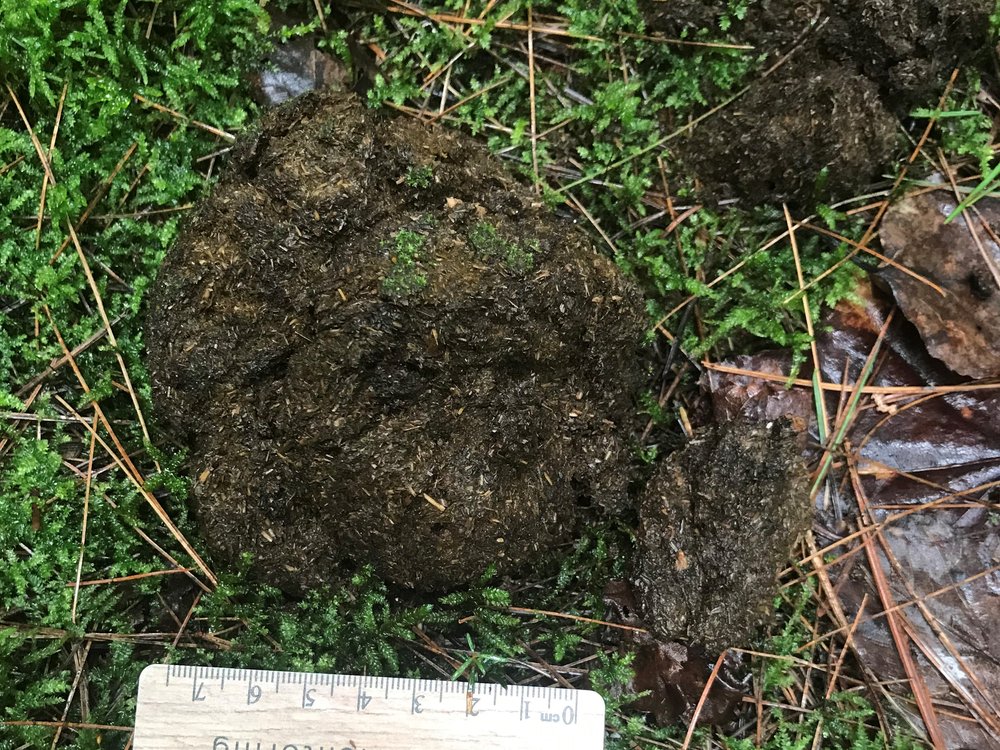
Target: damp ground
{"type": "Point", "coordinates": [594, 112]}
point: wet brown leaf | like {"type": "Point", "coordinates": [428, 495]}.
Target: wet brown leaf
{"type": "Point", "coordinates": [674, 673]}
{"type": "Point", "coordinates": [929, 466]}
{"type": "Point", "coordinates": [961, 327]}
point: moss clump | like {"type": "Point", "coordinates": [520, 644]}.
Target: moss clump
{"type": "Point", "coordinates": [405, 277]}
{"type": "Point", "coordinates": [419, 177]}
{"type": "Point", "coordinates": [486, 241]}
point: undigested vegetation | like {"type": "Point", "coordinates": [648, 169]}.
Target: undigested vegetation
{"type": "Point", "coordinates": [115, 119]}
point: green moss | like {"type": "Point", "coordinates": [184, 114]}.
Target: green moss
{"type": "Point", "coordinates": [192, 57]}
{"type": "Point", "coordinates": [486, 241]}
{"type": "Point", "coordinates": [419, 177]}
{"type": "Point", "coordinates": [405, 277]}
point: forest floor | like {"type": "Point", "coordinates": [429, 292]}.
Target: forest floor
{"type": "Point", "coordinates": [738, 159]}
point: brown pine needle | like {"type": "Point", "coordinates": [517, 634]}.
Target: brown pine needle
{"type": "Point", "coordinates": [60, 361]}
{"type": "Point", "coordinates": [187, 618]}
{"type": "Point", "coordinates": [10, 165]}
{"type": "Point", "coordinates": [701, 701]}
{"type": "Point", "coordinates": [86, 513]}
{"type": "Point", "coordinates": [111, 335]}
{"type": "Point", "coordinates": [531, 102]}
{"type": "Point", "coordinates": [858, 247]}
{"type": "Point", "coordinates": [184, 118]}
{"type": "Point", "coordinates": [407, 9]}
{"type": "Point", "coordinates": [575, 618]}
{"type": "Point", "coordinates": [896, 390]}
{"type": "Point", "coordinates": [66, 725]}
{"type": "Point", "coordinates": [899, 605]}
{"type": "Point", "coordinates": [822, 418]}
{"type": "Point", "coordinates": [98, 195]}
{"type": "Point", "coordinates": [128, 578]}
{"type": "Point", "coordinates": [34, 138]}
{"type": "Point", "coordinates": [122, 458]}
{"type": "Point", "coordinates": [895, 619]}
{"type": "Point", "coordinates": [45, 178]}
{"type": "Point", "coordinates": [81, 660]}
{"type": "Point", "coordinates": [448, 110]}
{"type": "Point", "coordinates": [684, 42]}
{"type": "Point", "coordinates": [870, 231]}
{"type": "Point", "coordinates": [150, 498]}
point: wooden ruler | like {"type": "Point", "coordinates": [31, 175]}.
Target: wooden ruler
{"type": "Point", "coordinates": [182, 708]}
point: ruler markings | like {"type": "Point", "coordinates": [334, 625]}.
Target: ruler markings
{"type": "Point", "coordinates": [188, 708]}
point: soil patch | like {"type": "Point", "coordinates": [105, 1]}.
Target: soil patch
{"type": "Point", "coordinates": [822, 125]}
{"type": "Point", "coordinates": [383, 349]}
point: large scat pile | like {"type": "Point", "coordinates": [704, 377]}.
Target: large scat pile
{"type": "Point", "coordinates": [383, 350]}
{"type": "Point", "coordinates": [717, 522]}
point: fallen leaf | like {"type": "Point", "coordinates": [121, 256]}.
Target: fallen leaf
{"type": "Point", "coordinates": [960, 326]}
{"type": "Point", "coordinates": [929, 468]}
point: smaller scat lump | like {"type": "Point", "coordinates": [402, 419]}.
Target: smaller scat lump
{"type": "Point", "coordinates": [383, 350]}
{"type": "Point", "coordinates": [842, 78]}
{"type": "Point", "coordinates": [717, 522]}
